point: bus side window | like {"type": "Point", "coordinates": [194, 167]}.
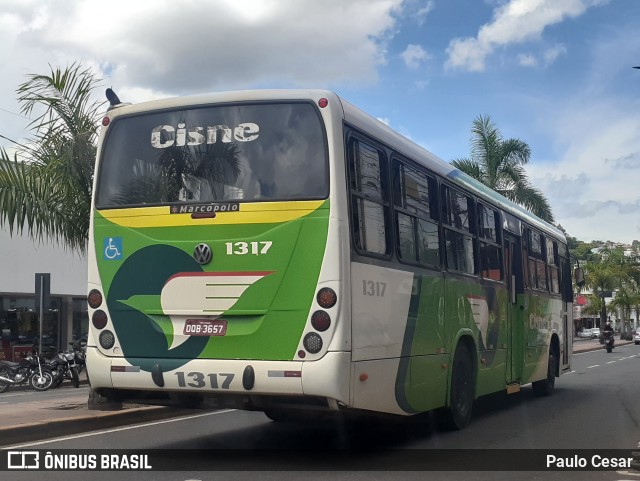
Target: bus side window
{"type": "Point", "coordinates": [415, 205]}
{"type": "Point", "coordinates": [536, 264]}
{"type": "Point", "coordinates": [458, 233]}
{"type": "Point", "coordinates": [369, 195]}
{"type": "Point", "coordinates": [490, 250]}
{"type": "Point", "coordinates": [553, 266]}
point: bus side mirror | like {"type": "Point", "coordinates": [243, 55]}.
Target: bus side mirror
{"type": "Point", "coordinates": [578, 273]}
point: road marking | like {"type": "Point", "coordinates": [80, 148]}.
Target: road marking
{"type": "Point", "coordinates": [628, 473]}
{"type": "Point", "coordinates": [591, 367]}
{"type": "Point", "coordinates": [611, 362]}
{"type": "Point", "coordinates": [115, 430]}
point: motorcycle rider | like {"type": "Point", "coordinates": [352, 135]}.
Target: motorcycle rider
{"type": "Point", "coordinates": [607, 333]}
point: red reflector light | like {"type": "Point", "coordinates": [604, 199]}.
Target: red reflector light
{"type": "Point", "coordinates": [321, 321]}
{"type": "Point", "coordinates": [301, 354]}
{"type": "Point", "coordinates": [94, 298]}
{"type": "Point", "coordinates": [293, 374]}
{"type": "Point", "coordinates": [323, 103]}
{"type": "Point", "coordinates": [105, 121]}
{"type": "Point", "coordinates": [327, 297]}
{"type": "Point", "coordinates": [99, 319]}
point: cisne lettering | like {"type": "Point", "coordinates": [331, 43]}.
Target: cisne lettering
{"type": "Point", "coordinates": [164, 136]}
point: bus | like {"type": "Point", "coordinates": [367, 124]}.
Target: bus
{"type": "Point", "coordinates": [283, 251]}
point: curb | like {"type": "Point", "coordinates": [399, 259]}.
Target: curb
{"type": "Point", "coordinates": [33, 432]}
{"type": "Point", "coordinates": [597, 348]}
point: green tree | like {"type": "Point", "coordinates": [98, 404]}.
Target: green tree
{"type": "Point", "coordinates": [627, 298]}
{"type": "Point", "coordinates": [45, 185]}
{"type": "Point", "coordinates": [607, 273]}
{"type": "Point", "coordinates": [499, 164]}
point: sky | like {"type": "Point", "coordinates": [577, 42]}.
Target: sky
{"type": "Point", "coordinates": [557, 74]}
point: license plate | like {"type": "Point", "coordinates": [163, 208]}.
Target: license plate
{"type": "Point", "coordinates": [205, 327]}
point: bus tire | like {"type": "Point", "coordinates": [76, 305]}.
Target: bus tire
{"type": "Point", "coordinates": [457, 415]}
{"type": "Point", "coordinates": [98, 402]}
{"type": "Point", "coordinates": [544, 387]}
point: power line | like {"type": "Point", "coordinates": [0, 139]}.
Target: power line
{"type": "Point", "coordinates": [13, 113]}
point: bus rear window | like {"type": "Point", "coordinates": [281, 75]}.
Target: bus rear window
{"type": "Point", "coordinates": [260, 152]}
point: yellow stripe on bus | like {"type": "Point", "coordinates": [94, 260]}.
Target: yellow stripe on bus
{"type": "Point", "coordinates": [249, 213]}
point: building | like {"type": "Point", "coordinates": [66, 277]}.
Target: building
{"type": "Point", "coordinates": [64, 319]}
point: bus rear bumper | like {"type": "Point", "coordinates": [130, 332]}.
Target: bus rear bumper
{"type": "Point", "coordinates": [327, 377]}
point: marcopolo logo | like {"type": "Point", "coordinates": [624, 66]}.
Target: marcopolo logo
{"type": "Point", "coordinates": [204, 208]}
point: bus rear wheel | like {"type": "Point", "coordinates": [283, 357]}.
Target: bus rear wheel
{"type": "Point", "coordinates": [545, 386]}
{"type": "Point", "coordinates": [461, 392]}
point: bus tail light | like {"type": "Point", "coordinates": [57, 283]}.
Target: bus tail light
{"type": "Point", "coordinates": [94, 298]}
{"type": "Point", "coordinates": [321, 321]}
{"type": "Point", "coordinates": [327, 298]}
{"type": "Point", "coordinates": [99, 319]}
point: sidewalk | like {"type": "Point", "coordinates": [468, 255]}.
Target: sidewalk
{"type": "Point", "coordinates": [27, 421]}
{"type": "Point", "coordinates": [581, 344]}
{"type": "Point", "coordinates": [69, 414]}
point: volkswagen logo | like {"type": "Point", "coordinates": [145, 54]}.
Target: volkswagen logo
{"type": "Point", "coordinates": [202, 253]}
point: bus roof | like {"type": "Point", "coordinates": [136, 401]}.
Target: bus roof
{"type": "Point", "coordinates": [367, 123]}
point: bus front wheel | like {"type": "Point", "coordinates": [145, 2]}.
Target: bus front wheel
{"type": "Point", "coordinates": [461, 391]}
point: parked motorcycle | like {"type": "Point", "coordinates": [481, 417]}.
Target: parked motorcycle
{"type": "Point", "coordinates": [80, 354]}
{"type": "Point", "coordinates": [63, 367]}
{"type": "Point", "coordinates": [608, 340]}
{"type": "Point", "coordinates": [29, 370]}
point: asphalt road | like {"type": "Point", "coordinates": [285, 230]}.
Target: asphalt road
{"type": "Point", "coordinates": [594, 407]}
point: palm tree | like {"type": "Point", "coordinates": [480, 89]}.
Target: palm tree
{"type": "Point", "coordinates": [499, 164]}
{"type": "Point", "coordinates": [626, 298]}
{"type": "Point", "coordinates": [45, 186]}
{"type": "Point", "coordinates": [181, 169]}
{"type": "Point", "coordinates": [603, 277]}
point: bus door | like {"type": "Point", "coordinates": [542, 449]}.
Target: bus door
{"type": "Point", "coordinates": [515, 282]}
{"type": "Point", "coordinates": [567, 324]}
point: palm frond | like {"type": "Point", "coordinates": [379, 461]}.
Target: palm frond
{"type": "Point", "coordinates": [45, 189]}
{"type": "Point", "coordinates": [469, 167]}
{"type": "Point", "coordinates": [499, 164]}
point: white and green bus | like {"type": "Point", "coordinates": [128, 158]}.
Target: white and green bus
{"type": "Point", "coordinates": [284, 251]}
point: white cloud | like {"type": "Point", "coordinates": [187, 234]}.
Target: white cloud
{"type": "Point", "coordinates": [182, 47]}
{"type": "Point", "coordinates": [424, 11]}
{"type": "Point", "coordinates": [593, 186]}
{"type": "Point", "coordinates": [552, 54]}
{"type": "Point", "coordinates": [549, 56]}
{"type": "Point", "coordinates": [413, 55]}
{"type": "Point", "coordinates": [527, 60]}
{"type": "Point", "coordinates": [148, 49]}
{"type": "Point", "coordinates": [514, 22]}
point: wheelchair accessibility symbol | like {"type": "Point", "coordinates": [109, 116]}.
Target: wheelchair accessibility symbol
{"type": "Point", "coordinates": [112, 248]}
